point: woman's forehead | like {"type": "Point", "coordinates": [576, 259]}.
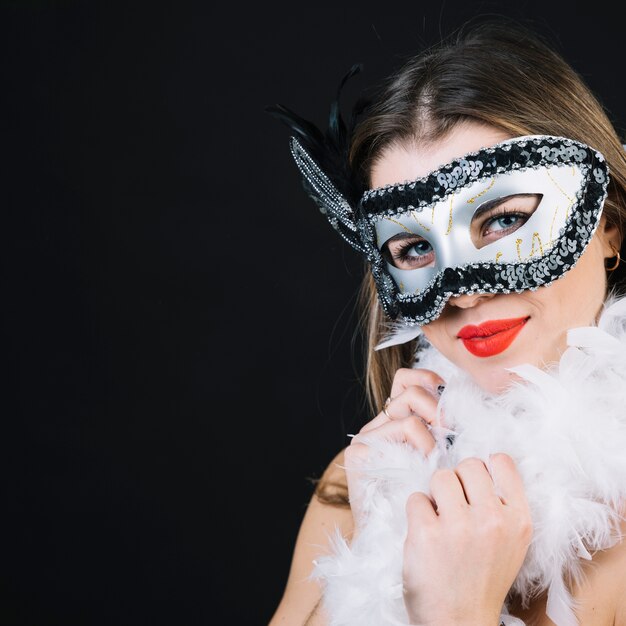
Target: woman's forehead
{"type": "Point", "coordinates": [406, 161]}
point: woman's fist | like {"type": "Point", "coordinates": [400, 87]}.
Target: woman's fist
{"type": "Point", "coordinates": [466, 543]}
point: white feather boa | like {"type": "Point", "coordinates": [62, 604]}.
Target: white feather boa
{"type": "Point", "coordinates": [565, 426]}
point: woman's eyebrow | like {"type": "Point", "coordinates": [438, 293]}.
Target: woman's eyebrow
{"type": "Point", "coordinates": [401, 236]}
{"type": "Point", "coordinates": [491, 204]}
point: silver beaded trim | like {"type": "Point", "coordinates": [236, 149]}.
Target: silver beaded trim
{"type": "Point", "coordinates": [329, 200]}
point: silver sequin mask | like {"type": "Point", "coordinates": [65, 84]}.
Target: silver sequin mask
{"type": "Point", "coordinates": [439, 221]}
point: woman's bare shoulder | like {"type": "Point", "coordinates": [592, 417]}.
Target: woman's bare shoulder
{"type": "Point", "coordinates": [328, 511]}
{"type": "Point", "coordinates": [601, 593]}
{"type": "Point", "coordinates": [332, 487]}
{"type": "Point", "coordinates": [611, 575]}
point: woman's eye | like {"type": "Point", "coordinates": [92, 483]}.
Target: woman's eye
{"type": "Point", "coordinates": [504, 222]}
{"type": "Point", "coordinates": [409, 254]}
{"type": "Point", "coordinates": [500, 217]}
{"type": "Point", "coordinates": [420, 248]}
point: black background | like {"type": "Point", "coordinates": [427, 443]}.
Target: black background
{"type": "Point", "coordinates": [178, 318]}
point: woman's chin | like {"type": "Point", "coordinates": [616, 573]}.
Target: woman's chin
{"type": "Point", "coordinates": [490, 374]}
{"type": "Point", "coordinates": [495, 380]}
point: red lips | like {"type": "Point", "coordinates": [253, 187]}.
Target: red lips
{"type": "Point", "coordinates": [491, 337]}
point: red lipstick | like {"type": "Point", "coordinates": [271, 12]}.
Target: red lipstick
{"type": "Point", "coordinates": [491, 337]}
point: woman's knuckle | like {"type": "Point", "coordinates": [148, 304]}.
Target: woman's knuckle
{"type": "Point", "coordinates": [470, 462]}
{"type": "Point", "coordinates": [440, 476]}
{"type": "Point", "coordinates": [502, 458]}
{"type": "Point", "coordinates": [412, 393]}
{"type": "Point", "coordinates": [402, 373]}
{"type": "Point", "coordinates": [418, 394]}
{"type": "Point", "coordinates": [415, 499]}
{"type": "Point", "coordinates": [413, 425]}
{"type": "Point", "coordinates": [417, 374]}
{"type": "Point", "coordinates": [432, 378]}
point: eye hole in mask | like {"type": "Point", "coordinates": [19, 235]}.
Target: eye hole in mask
{"type": "Point", "coordinates": [500, 217]}
{"type": "Point", "coordinates": [492, 221]}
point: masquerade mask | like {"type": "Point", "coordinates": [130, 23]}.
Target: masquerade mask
{"type": "Point", "coordinates": [511, 217]}
{"type": "Point", "coordinates": [507, 218]}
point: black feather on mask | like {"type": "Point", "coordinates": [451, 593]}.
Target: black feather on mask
{"type": "Point", "coordinates": [323, 160]}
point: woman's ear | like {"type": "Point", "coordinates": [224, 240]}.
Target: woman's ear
{"type": "Point", "coordinates": [610, 237]}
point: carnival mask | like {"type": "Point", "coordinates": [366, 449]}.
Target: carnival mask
{"type": "Point", "coordinates": [511, 217]}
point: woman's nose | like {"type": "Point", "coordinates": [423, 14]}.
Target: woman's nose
{"type": "Point", "coordinates": [466, 301]}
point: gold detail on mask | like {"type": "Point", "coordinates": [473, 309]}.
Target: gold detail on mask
{"type": "Point", "coordinates": [559, 187]}
{"type": "Point", "coordinates": [419, 223]}
{"type": "Point", "coordinates": [536, 238]}
{"type": "Point", "coordinates": [483, 192]}
{"type": "Point", "coordinates": [532, 248]}
{"type": "Point", "coordinates": [449, 219]}
{"type": "Point", "coordinates": [556, 208]}
{"type": "Point", "coordinates": [401, 225]}
{"type": "Point", "coordinates": [498, 255]}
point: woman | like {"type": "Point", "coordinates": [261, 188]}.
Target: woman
{"type": "Point", "coordinates": [486, 187]}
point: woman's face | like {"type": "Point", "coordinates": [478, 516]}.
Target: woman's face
{"type": "Point", "coordinates": [544, 315]}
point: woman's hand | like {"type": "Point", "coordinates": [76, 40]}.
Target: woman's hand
{"type": "Point", "coordinates": [465, 546]}
{"type": "Point", "coordinates": [407, 417]}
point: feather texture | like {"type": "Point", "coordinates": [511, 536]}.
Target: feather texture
{"type": "Point", "coordinates": [565, 427]}
{"type": "Point", "coordinates": [329, 148]}
{"type": "Point", "coordinates": [399, 333]}
{"type": "Point", "coordinates": [323, 161]}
